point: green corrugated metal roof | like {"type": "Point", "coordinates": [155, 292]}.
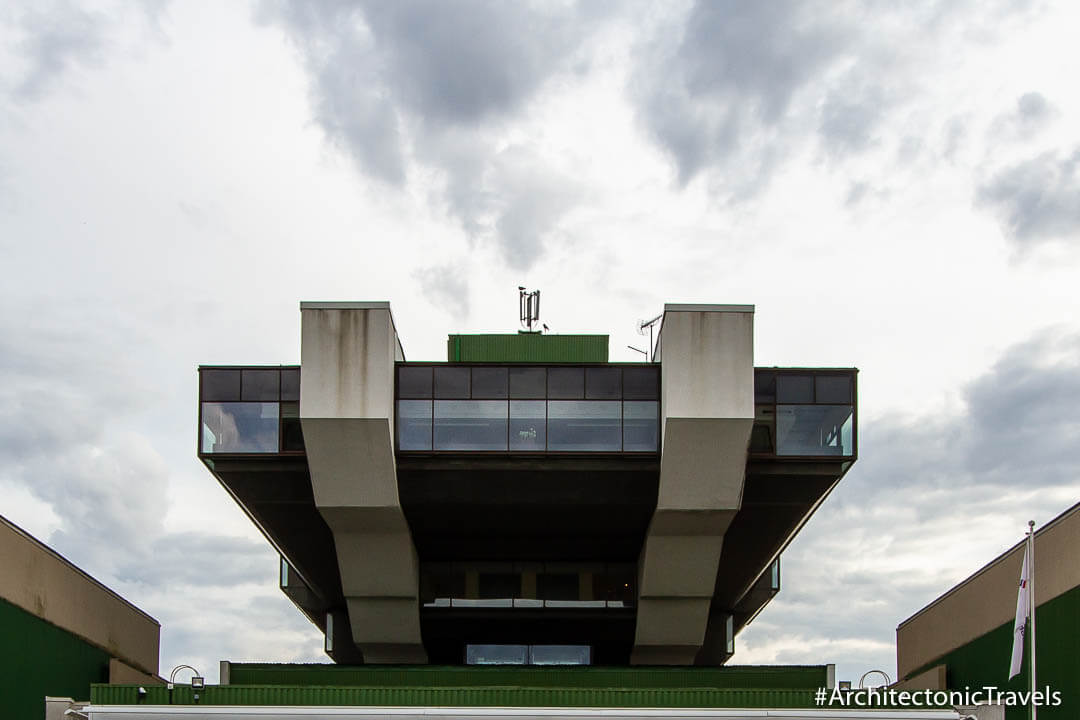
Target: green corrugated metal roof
{"type": "Point", "coordinates": [527, 347]}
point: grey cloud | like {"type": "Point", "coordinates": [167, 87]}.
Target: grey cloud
{"type": "Point", "coordinates": [1032, 113]}
{"type": "Point", "coordinates": [67, 400]}
{"type": "Point", "coordinates": [848, 119]}
{"type": "Point", "coordinates": [953, 136]}
{"type": "Point", "coordinates": [433, 84]}
{"type": "Point", "coordinates": [458, 63]}
{"type": "Point", "coordinates": [56, 37]}
{"type": "Point", "coordinates": [1033, 107]}
{"type": "Point", "coordinates": [732, 74]}
{"type": "Point", "coordinates": [445, 286]}
{"type": "Point", "coordinates": [1036, 200]}
{"type": "Point", "coordinates": [733, 89]}
{"type": "Point", "coordinates": [535, 198]}
{"type": "Point", "coordinates": [1024, 413]}
{"type": "Point", "coordinates": [200, 559]}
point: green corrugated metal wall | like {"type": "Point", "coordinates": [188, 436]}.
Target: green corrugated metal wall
{"type": "Point", "coordinates": [770, 677]}
{"type": "Point", "coordinates": [508, 696]}
{"type": "Point", "coordinates": [985, 660]}
{"type": "Point", "coordinates": [527, 347]}
{"type": "Point", "coordinates": [40, 659]}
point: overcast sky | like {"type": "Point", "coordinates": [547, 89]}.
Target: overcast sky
{"type": "Point", "coordinates": [895, 186]}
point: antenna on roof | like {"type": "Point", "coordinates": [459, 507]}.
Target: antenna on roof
{"type": "Point", "coordinates": [641, 325]}
{"type": "Point", "coordinates": [529, 307]}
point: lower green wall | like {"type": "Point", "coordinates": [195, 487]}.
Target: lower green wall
{"type": "Point", "coordinates": [985, 660]}
{"type": "Point", "coordinates": [39, 659]}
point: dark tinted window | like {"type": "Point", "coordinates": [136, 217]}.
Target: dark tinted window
{"type": "Point", "coordinates": [414, 382]}
{"type": "Point", "coordinates": [795, 389]}
{"type": "Point", "coordinates": [641, 383]}
{"type": "Point", "coordinates": [616, 584]}
{"type": "Point", "coordinates": [220, 385]}
{"type": "Point", "coordinates": [603, 383]}
{"type": "Point", "coordinates": [528, 383]}
{"type": "Point", "coordinates": [261, 385]}
{"type": "Point", "coordinates": [566, 383]}
{"type": "Point", "coordinates": [833, 388]}
{"type": "Point", "coordinates": [452, 382]}
{"type": "Point", "coordinates": [290, 384]}
{"type": "Point", "coordinates": [764, 387]}
{"type": "Point", "coordinates": [441, 580]}
{"type": "Point", "coordinates": [499, 585]}
{"type": "Point", "coordinates": [557, 586]}
{"type": "Point", "coordinates": [761, 439]}
{"type": "Point", "coordinates": [292, 437]}
{"type": "Point", "coordinates": [489, 382]}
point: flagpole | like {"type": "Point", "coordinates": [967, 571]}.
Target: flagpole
{"type": "Point", "coordinates": [1031, 607]}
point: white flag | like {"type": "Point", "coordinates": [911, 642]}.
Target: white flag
{"type": "Point", "coordinates": [1020, 624]}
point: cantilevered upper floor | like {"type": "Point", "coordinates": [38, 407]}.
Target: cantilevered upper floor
{"type": "Point", "coordinates": [500, 507]}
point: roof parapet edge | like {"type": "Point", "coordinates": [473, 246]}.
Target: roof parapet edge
{"type": "Point", "coordinates": [344, 305]}
{"type": "Point", "coordinates": [706, 307]}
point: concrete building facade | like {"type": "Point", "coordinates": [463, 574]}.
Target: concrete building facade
{"type": "Point", "coordinates": [507, 510]}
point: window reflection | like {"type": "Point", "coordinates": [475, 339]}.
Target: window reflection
{"type": "Point", "coordinates": [584, 426]}
{"type": "Point", "coordinates": [505, 654]}
{"type": "Point", "coordinates": [560, 654]}
{"type": "Point", "coordinates": [496, 654]}
{"type": "Point", "coordinates": [814, 430]}
{"type": "Point", "coordinates": [528, 425]}
{"type": "Point", "coordinates": [414, 424]}
{"type": "Point", "coordinates": [239, 427]}
{"type": "Point", "coordinates": [528, 408]}
{"type": "Point", "coordinates": [640, 426]}
{"type": "Point", "coordinates": [470, 425]}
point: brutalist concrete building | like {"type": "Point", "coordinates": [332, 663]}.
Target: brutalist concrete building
{"type": "Point", "coordinates": [527, 501]}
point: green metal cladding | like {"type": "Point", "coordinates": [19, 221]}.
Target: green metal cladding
{"type": "Point", "coordinates": [507, 696]}
{"type": "Point", "coordinates": [790, 677]}
{"type": "Point", "coordinates": [40, 659]}
{"type": "Point", "coordinates": [527, 347]}
{"type": "Point", "coordinates": [265, 684]}
{"type": "Point", "coordinates": [985, 660]}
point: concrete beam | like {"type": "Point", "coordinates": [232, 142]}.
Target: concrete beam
{"type": "Point", "coordinates": [347, 355]}
{"type": "Point", "coordinates": [707, 409]}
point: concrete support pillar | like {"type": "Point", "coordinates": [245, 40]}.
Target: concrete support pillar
{"type": "Point", "coordinates": [347, 360]}
{"type": "Point", "coordinates": [707, 410]}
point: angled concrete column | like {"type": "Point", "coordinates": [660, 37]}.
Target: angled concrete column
{"type": "Point", "coordinates": [347, 357]}
{"type": "Point", "coordinates": [707, 408]}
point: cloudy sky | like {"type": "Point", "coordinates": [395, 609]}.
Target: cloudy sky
{"type": "Point", "coordinates": [895, 187]}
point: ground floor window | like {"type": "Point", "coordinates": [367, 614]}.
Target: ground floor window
{"type": "Point", "coordinates": [505, 654]}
